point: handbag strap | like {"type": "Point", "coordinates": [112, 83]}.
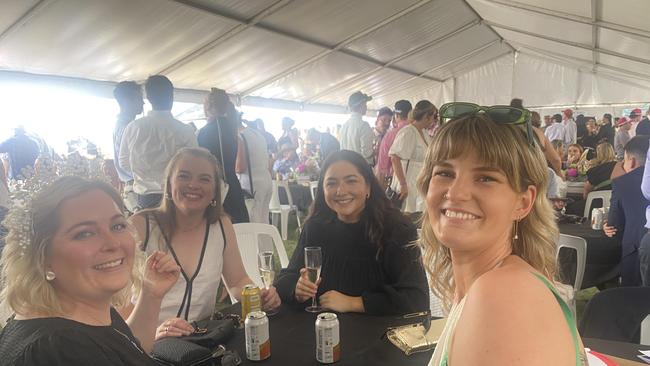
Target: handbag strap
{"type": "Point", "coordinates": [248, 162]}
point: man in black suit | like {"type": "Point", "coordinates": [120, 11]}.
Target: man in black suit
{"type": "Point", "coordinates": [643, 128]}
{"type": "Point", "coordinates": [627, 209]}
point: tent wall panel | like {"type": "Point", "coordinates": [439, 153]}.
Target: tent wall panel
{"type": "Point", "coordinates": [488, 84]}
{"type": "Point", "coordinates": [540, 82]}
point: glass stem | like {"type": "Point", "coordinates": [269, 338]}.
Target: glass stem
{"type": "Point", "coordinates": [313, 302]}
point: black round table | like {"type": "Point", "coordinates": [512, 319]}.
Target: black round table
{"type": "Point", "coordinates": [628, 351]}
{"type": "Point", "coordinates": [603, 255]}
{"type": "Point", "coordinates": [293, 340]}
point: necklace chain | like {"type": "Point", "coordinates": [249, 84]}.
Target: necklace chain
{"type": "Point", "coordinates": [129, 339]}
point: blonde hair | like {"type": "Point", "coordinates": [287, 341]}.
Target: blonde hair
{"type": "Point", "coordinates": [165, 212]}
{"type": "Point", "coordinates": [604, 154]}
{"type": "Point", "coordinates": [24, 287]}
{"type": "Point", "coordinates": [505, 147]}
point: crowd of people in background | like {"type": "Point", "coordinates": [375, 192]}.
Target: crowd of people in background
{"type": "Point", "coordinates": [183, 189]}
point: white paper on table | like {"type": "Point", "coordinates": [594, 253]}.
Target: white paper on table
{"type": "Point", "coordinates": [594, 361]}
{"type": "Point", "coordinates": [645, 353]}
{"type": "Point", "coordinates": [645, 359]}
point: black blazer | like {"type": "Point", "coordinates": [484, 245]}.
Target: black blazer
{"type": "Point", "coordinates": [627, 209]}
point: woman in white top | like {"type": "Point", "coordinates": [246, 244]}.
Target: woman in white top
{"type": "Point", "coordinates": [191, 224]}
{"type": "Point", "coordinates": [407, 154]}
{"type": "Point", "coordinates": [489, 245]}
{"type": "Point", "coordinates": [253, 161]}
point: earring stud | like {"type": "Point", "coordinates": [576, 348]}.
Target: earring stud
{"type": "Point", "coordinates": [50, 276]}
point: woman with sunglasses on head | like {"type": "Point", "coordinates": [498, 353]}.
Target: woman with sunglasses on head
{"type": "Point", "coordinates": [190, 223]}
{"type": "Point", "coordinates": [489, 245]}
{"type": "Point", "coordinates": [407, 154]}
{"type": "Point", "coordinates": [369, 262]}
{"type": "Point", "coordinates": [70, 258]}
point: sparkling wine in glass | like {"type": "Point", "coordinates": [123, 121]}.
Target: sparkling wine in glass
{"type": "Point", "coordinates": [313, 263]}
{"type": "Point", "coordinates": [267, 272]}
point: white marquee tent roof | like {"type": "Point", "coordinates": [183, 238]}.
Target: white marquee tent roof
{"type": "Point", "coordinates": [312, 54]}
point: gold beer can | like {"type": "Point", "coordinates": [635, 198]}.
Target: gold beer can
{"type": "Point", "coordinates": [251, 300]}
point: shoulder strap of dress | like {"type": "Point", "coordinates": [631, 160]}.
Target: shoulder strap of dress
{"type": "Point", "coordinates": [568, 315]}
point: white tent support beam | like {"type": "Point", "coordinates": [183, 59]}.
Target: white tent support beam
{"type": "Point", "coordinates": [488, 25]}
{"type": "Point", "coordinates": [569, 43]}
{"type": "Point", "coordinates": [450, 62]}
{"type": "Point", "coordinates": [595, 4]}
{"type": "Point", "coordinates": [573, 18]}
{"type": "Point", "coordinates": [337, 47]}
{"type": "Point", "coordinates": [239, 28]}
{"type": "Point", "coordinates": [295, 36]}
{"type": "Point", "coordinates": [560, 56]}
{"type": "Point", "coordinates": [25, 18]}
{"type": "Point", "coordinates": [563, 60]}
{"type": "Point", "coordinates": [395, 60]}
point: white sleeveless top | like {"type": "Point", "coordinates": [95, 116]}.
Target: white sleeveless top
{"type": "Point", "coordinates": [191, 298]}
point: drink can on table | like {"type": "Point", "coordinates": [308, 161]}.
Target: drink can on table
{"type": "Point", "coordinates": [251, 300]}
{"type": "Point", "coordinates": [258, 342]}
{"type": "Point", "coordinates": [597, 218]}
{"type": "Point", "coordinates": [328, 346]}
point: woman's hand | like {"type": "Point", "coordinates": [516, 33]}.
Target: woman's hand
{"type": "Point", "coordinates": [305, 289]}
{"type": "Point", "coordinates": [403, 191]}
{"type": "Point", "coordinates": [338, 302]}
{"type": "Point", "coordinates": [270, 299]}
{"type": "Point", "coordinates": [174, 327]}
{"type": "Point", "coordinates": [160, 274]}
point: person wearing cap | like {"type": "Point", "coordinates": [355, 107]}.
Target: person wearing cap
{"type": "Point", "coordinates": [356, 134]}
{"type": "Point", "coordinates": [622, 137]}
{"type": "Point", "coordinates": [570, 127]}
{"type": "Point", "coordinates": [382, 124]}
{"type": "Point", "coordinates": [643, 128]}
{"type": "Point", "coordinates": [635, 119]}
{"type": "Point", "coordinates": [384, 168]}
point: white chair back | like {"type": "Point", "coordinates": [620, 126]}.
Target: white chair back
{"type": "Point", "coordinates": [606, 196]}
{"type": "Point", "coordinates": [283, 211]}
{"type": "Point", "coordinates": [313, 187]}
{"type": "Point", "coordinates": [580, 246]}
{"type": "Point", "coordinates": [645, 331]}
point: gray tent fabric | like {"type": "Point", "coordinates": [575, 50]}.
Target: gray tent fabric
{"type": "Point", "coordinates": [312, 54]}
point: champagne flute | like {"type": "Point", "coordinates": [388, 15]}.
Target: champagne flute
{"type": "Point", "coordinates": [267, 272]}
{"type": "Point", "coordinates": [313, 263]}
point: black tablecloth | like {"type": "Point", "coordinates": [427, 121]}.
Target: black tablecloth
{"type": "Point", "coordinates": [603, 255]}
{"type": "Point", "coordinates": [628, 351]}
{"type": "Point", "coordinates": [293, 340]}
{"type": "Point", "coordinates": [300, 195]}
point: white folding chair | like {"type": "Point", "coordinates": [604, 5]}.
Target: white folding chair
{"type": "Point", "coordinates": [580, 246]}
{"type": "Point", "coordinates": [248, 239]}
{"type": "Point", "coordinates": [282, 210]}
{"type": "Point", "coordinates": [313, 187]}
{"type": "Point", "coordinates": [645, 331]}
{"type": "Point", "coordinates": [605, 196]}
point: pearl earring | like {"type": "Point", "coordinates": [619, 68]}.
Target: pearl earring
{"type": "Point", "coordinates": [50, 276]}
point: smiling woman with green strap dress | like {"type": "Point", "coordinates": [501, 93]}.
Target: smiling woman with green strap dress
{"type": "Point", "coordinates": [489, 241]}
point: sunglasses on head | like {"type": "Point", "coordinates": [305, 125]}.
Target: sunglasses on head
{"type": "Point", "coordinates": [500, 114]}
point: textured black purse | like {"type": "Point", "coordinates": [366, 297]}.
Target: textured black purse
{"type": "Point", "coordinates": [200, 348]}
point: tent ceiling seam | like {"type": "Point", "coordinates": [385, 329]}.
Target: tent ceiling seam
{"type": "Point", "coordinates": [295, 36]}
{"type": "Point", "coordinates": [488, 25]}
{"type": "Point", "coordinates": [569, 43]}
{"type": "Point", "coordinates": [415, 51]}
{"type": "Point", "coordinates": [25, 18]}
{"type": "Point", "coordinates": [595, 42]}
{"type": "Point", "coordinates": [340, 45]}
{"type": "Point", "coordinates": [237, 29]}
{"type": "Point", "coordinates": [572, 17]}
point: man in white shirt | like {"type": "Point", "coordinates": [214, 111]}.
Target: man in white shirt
{"type": "Point", "coordinates": [149, 143]}
{"type": "Point", "coordinates": [556, 130]}
{"type": "Point", "coordinates": [356, 134]}
{"type": "Point", "coordinates": [570, 127]}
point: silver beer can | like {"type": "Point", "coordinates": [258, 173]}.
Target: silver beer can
{"type": "Point", "coordinates": [597, 218]}
{"type": "Point", "coordinates": [258, 342]}
{"type": "Point", "coordinates": [328, 343]}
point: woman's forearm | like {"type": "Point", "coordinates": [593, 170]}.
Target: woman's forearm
{"type": "Point", "coordinates": [144, 320]}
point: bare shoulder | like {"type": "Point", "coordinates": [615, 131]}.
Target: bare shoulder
{"type": "Point", "coordinates": [509, 316]}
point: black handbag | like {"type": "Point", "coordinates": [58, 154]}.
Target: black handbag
{"type": "Point", "coordinates": [393, 195]}
{"type": "Point", "coordinates": [201, 348]}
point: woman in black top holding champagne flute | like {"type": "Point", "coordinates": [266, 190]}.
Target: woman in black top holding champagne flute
{"type": "Point", "coordinates": [369, 264]}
